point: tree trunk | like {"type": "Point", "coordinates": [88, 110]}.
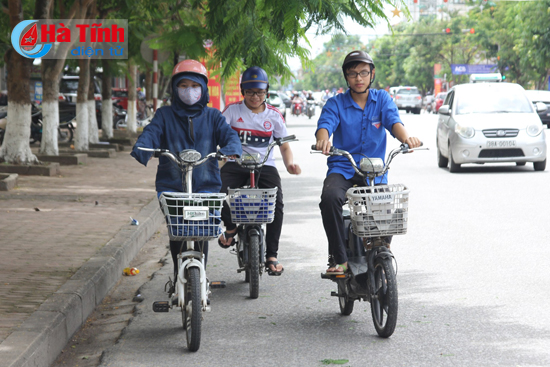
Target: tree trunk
{"type": "Point", "coordinates": [81, 138]}
{"type": "Point", "coordinates": [149, 86]}
{"type": "Point", "coordinates": [92, 118]}
{"type": "Point", "coordinates": [50, 107]}
{"type": "Point", "coordinates": [106, 105]}
{"type": "Point", "coordinates": [16, 148]}
{"type": "Point", "coordinates": [132, 125]}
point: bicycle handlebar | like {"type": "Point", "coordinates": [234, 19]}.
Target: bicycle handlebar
{"type": "Point", "coordinates": [177, 159]}
{"type": "Point", "coordinates": [278, 141]}
{"type": "Point", "coordinates": [403, 149]}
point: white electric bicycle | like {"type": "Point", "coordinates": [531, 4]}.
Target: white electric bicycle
{"type": "Point", "coordinates": [190, 217]}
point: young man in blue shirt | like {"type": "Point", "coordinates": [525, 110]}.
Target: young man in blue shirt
{"type": "Point", "coordinates": [357, 120]}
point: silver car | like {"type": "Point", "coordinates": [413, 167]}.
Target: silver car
{"type": "Point", "coordinates": [490, 123]}
{"type": "Point", "coordinates": [408, 99]}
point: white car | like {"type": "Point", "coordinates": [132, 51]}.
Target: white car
{"type": "Point", "coordinates": [490, 123]}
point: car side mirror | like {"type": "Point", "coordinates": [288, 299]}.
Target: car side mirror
{"type": "Point", "coordinates": [541, 107]}
{"type": "Point", "coordinates": [445, 110]}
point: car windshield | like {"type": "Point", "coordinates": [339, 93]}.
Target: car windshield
{"type": "Point", "coordinates": [274, 99]}
{"type": "Point", "coordinates": [492, 100]}
{"type": "Point", "coordinates": [408, 91]}
{"type": "Point", "coordinates": [120, 93]}
{"type": "Point", "coordinates": [68, 86]}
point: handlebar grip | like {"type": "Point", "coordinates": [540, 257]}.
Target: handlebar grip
{"type": "Point", "coordinates": [281, 141]}
{"type": "Point", "coordinates": [314, 147]}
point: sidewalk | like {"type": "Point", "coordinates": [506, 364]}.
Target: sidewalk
{"type": "Point", "coordinates": [63, 244]}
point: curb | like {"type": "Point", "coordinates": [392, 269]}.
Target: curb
{"type": "Point", "coordinates": [40, 339]}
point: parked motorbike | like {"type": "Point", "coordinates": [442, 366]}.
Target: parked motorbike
{"type": "Point", "coordinates": [65, 129]}
{"type": "Point", "coordinates": [119, 116]}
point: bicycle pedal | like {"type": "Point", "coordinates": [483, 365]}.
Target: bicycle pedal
{"type": "Point", "coordinates": [333, 277]}
{"type": "Point", "coordinates": [161, 306]}
{"type": "Point", "coordinates": [217, 284]}
{"type": "Point", "coordinates": [334, 294]}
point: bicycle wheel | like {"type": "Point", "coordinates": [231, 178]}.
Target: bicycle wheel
{"type": "Point", "coordinates": [193, 313]}
{"type": "Point", "coordinates": [64, 134]}
{"type": "Point", "coordinates": [254, 268]}
{"type": "Point", "coordinates": [346, 304]}
{"type": "Point", "coordinates": [384, 303]}
{"type": "Point", "coordinates": [120, 124]}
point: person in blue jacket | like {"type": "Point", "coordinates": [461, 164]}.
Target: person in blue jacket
{"type": "Point", "coordinates": [357, 120]}
{"type": "Point", "coordinates": [188, 124]}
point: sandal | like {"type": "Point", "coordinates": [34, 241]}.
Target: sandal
{"type": "Point", "coordinates": [337, 270]}
{"type": "Point", "coordinates": [270, 271]}
{"type": "Point", "coordinates": [227, 236]}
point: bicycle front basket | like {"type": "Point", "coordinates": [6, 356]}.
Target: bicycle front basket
{"type": "Point", "coordinates": [379, 211]}
{"type": "Point", "coordinates": [252, 205]}
{"type": "Point", "coordinates": [192, 217]}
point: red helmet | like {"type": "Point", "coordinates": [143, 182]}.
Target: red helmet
{"type": "Point", "coordinates": [190, 66]}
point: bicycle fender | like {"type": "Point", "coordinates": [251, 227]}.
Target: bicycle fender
{"type": "Point", "coordinates": [253, 232]}
{"type": "Point", "coordinates": [384, 255]}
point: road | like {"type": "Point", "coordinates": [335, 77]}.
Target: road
{"type": "Point", "coordinates": [472, 274]}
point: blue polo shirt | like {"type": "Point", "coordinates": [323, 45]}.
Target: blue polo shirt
{"type": "Point", "coordinates": [360, 132]}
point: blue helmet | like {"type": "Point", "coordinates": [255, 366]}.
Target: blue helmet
{"type": "Point", "coordinates": [254, 77]}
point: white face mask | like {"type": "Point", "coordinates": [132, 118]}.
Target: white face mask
{"type": "Point", "coordinates": [190, 95]}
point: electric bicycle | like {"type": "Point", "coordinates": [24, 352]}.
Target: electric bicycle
{"type": "Point", "coordinates": [373, 215]}
{"type": "Point", "coordinates": [190, 217]}
{"type": "Point", "coordinates": [251, 209]}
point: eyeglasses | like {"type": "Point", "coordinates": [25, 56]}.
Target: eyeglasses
{"type": "Point", "coordinates": [250, 93]}
{"type": "Point", "coordinates": [363, 74]}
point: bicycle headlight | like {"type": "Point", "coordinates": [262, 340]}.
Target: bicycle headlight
{"type": "Point", "coordinates": [190, 155]}
{"type": "Point", "coordinates": [248, 158]}
{"type": "Point", "coordinates": [467, 132]}
{"type": "Point", "coordinates": [534, 129]}
{"type": "Point", "coordinates": [374, 165]}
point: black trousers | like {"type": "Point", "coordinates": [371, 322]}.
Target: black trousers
{"type": "Point", "coordinates": [234, 176]}
{"type": "Point", "coordinates": [333, 198]}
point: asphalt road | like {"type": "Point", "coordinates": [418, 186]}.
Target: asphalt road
{"type": "Point", "coordinates": [472, 273]}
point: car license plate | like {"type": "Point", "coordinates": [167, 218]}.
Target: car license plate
{"type": "Point", "coordinates": [501, 143]}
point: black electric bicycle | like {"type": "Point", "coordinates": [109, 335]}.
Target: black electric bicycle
{"type": "Point", "coordinates": [373, 214]}
{"type": "Point", "coordinates": [252, 208]}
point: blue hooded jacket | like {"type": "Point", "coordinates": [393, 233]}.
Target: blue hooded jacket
{"type": "Point", "coordinates": [170, 129]}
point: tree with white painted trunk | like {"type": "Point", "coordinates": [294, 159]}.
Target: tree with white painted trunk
{"type": "Point", "coordinates": [106, 97]}
{"type": "Point", "coordinates": [81, 143]}
{"type": "Point", "coordinates": [51, 72]}
{"type": "Point", "coordinates": [132, 106]}
{"type": "Point", "coordinates": [16, 148]}
{"type": "Point", "coordinates": [93, 132]}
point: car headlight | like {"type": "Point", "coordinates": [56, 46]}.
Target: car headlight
{"type": "Point", "coordinates": [534, 129]}
{"type": "Point", "coordinates": [467, 132]}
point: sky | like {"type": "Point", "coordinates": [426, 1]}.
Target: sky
{"type": "Point", "coordinates": [353, 29]}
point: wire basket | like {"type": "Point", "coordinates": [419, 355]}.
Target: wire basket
{"type": "Point", "coordinates": [379, 211]}
{"type": "Point", "coordinates": [252, 205]}
{"type": "Point", "coordinates": [192, 217]}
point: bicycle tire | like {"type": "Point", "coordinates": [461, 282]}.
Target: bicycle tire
{"type": "Point", "coordinates": [254, 266]}
{"type": "Point", "coordinates": [384, 302]}
{"type": "Point", "coordinates": [193, 310]}
{"type": "Point", "coordinates": [64, 135]}
{"type": "Point", "coordinates": [346, 304]}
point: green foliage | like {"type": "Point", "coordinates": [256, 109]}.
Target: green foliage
{"type": "Point", "coordinates": [516, 32]}
{"type": "Point", "coordinates": [267, 33]}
